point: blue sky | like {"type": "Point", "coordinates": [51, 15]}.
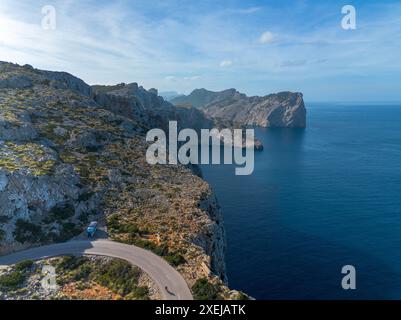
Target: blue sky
{"type": "Point", "coordinates": [258, 47]}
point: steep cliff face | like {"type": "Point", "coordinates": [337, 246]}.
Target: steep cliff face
{"type": "Point", "coordinates": [66, 158]}
{"type": "Point", "coordinates": [284, 109]}
{"type": "Point", "coordinates": [26, 204]}
{"type": "Point", "coordinates": [214, 238]}
{"type": "Point", "coordinates": [147, 107]}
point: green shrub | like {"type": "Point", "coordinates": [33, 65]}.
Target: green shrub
{"type": "Point", "coordinates": [174, 258]}
{"type": "Point", "coordinates": [93, 148]}
{"type": "Point", "coordinates": [139, 293]}
{"type": "Point", "coordinates": [4, 219]}
{"type": "Point", "coordinates": [84, 217]}
{"type": "Point", "coordinates": [119, 276]}
{"type": "Point", "coordinates": [70, 263]}
{"type": "Point", "coordinates": [82, 272]}
{"type": "Point", "coordinates": [27, 232]}
{"type": "Point", "coordinates": [204, 290]}
{"type": "Point", "coordinates": [84, 171]}
{"type": "Point", "coordinates": [113, 223]}
{"type": "Point", "coordinates": [130, 228]}
{"type": "Point", "coordinates": [12, 280]}
{"type": "Point", "coordinates": [72, 269]}
{"type": "Point", "coordinates": [24, 265]}
{"type": "Point", "coordinates": [148, 245]}
{"type": "Point", "coordinates": [62, 212]}
{"type": "Point", "coordinates": [68, 231]}
{"type": "Point", "coordinates": [85, 196]}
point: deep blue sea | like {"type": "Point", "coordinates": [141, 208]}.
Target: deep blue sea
{"type": "Point", "coordinates": [319, 199]}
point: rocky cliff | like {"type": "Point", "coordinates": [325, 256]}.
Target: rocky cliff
{"type": "Point", "coordinates": [70, 153]}
{"type": "Point", "coordinates": [133, 101]}
{"type": "Point", "coordinates": [284, 109]}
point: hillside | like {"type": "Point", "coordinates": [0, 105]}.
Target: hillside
{"type": "Point", "coordinates": [70, 153]}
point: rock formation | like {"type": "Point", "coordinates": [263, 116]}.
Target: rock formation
{"type": "Point", "coordinates": [133, 101]}
{"type": "Point", "coordinates": [284, 109]}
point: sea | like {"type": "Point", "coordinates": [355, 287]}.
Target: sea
{"type": "Point", "coordinates": [319, 199]}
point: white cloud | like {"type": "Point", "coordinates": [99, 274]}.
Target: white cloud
{"type": "Point", "coordinates": [192, 78]}
{"type": "Point", "coordinates": [226, 63]}
{"type": "Point", "coordinates": [171, 78]}
{"type": "Point", "coordinates": [249, 10]}
{"type": "Point", "coordinates": [186, 78]}
{"type": "Point", "coordinates": [266, 37]}
{"type": "Point", "coordinates": [293, 63]}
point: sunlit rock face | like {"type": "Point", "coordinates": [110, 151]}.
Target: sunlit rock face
{"type": "Point", "coordinates": [284, 109]}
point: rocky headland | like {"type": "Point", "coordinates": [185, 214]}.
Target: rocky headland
{"type": "Point", "coordinates": [284, 109]}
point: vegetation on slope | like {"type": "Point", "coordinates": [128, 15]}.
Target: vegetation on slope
{"type": "Point", "coordinates": [76, 278]}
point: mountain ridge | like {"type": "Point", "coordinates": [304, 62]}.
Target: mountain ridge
{"type": "Point", "coordinates": [283, 109]}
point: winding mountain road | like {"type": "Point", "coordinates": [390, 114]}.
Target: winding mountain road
{"type": "Point", "coordinates": [172, 285]}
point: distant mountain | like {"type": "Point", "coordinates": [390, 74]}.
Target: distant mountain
{"type": "Point", "coordinates": [284, 109]}
{"type": "Point", "coordinates": [169, 95]}
{"type": "Point", "coordinates": [200, 98]}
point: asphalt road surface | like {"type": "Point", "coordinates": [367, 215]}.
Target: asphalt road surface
{"type": "Point", "coordinates": [171, 283]}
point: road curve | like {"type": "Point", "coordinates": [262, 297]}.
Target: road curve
{"type": "Point", "coordinates": [157, 268]}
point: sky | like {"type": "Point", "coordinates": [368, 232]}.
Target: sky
{"type": "Point", "coordinates": [258, 47]}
